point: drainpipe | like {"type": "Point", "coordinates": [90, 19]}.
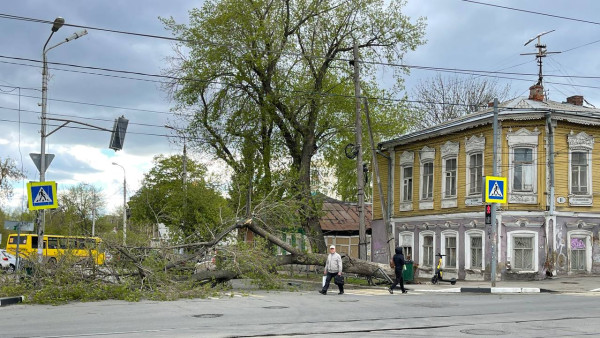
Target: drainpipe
{"type": "Point", "coordinates": [552, 199]}
{"type": "Point", "coordinates": [550, 162]}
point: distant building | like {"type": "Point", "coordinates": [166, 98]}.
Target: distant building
{"type": "Point", "coordinates": [550, 222]}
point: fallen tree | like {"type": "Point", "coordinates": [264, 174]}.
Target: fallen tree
{"type": "Point", "coordinates": [298, 257]}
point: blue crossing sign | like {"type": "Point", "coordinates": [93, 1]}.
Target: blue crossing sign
{"type": "Point", "coordinates": [42, 195]}
{"type": "Point", "coordinates": [495, 189]}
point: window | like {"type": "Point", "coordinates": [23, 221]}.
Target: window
{"type": "Point", "coordinates": [427, 259]}
{"type": "Point", "coordinates": [407, 161]}
{"type": "Point", "coordinates": [450, 251]}
{"type": "Point", "coordinates": [474, 150]}
{"type": "Point", "coordinates": [579, 169]}
{"type": "Point", "coordinates": [578, 254]}
{"type": "Point", "coordinates": [406, 243]}
{"type": "Point", "coordinates": [427, 181]}
{"type": "Point", "coordinates": [450, 177]}
{"type": "Point", "coordinates": [476, 251]}
{"type": "Point", "coordinates": [581, 146]}
{"type": "Point", "coordinates": [522, 175]}
{"type": "Point", "coordinates": [475, 173]}
{"type": "Point", "coordinates": [523, 169]}
{"type": "Point", "coordinates": [523, 252]}
{"type": "Point", "coordinates": [407, 184]}
{"type": "Point", "coordinates": [580, 249]}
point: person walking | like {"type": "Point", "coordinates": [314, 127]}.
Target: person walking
{"type": "Point", "coordinates": [333, 267]}
{"type": "Point", "coordinates": [398, 260]}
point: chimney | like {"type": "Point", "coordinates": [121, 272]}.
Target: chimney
{"type": "Point", "coordinates": [575, 100]}
{"type": "Point", "coordinates": [536, 92]}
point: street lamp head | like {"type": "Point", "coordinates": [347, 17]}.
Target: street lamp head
{"type": "Point", "coordinates": [76, 35]}
{"type": "Point", "coordinates": [58, 22]}
{"type": "Point", "coordinates": [115, 163]}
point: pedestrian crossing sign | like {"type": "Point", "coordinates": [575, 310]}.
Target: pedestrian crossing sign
{"type": "Point", "coordinates": [42, 195]}
{"type": "Point", "coordinates": [495, 189]}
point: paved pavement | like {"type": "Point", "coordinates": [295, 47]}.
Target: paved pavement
{"type": "Point", "coordinates": [561, 284]}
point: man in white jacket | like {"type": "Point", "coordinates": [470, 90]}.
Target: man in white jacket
{"type": "Point", "coordinates": [333, 267]}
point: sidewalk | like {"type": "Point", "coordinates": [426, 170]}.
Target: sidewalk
{"type": "Point", "coordinates": [561, 284]}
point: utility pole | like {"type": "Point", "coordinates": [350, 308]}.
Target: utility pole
{"type": "Point", "coordinates": [362, 233]}
{"type": "Point", "coordinates": [493, 211]}
{"type": "Point", "coordinates": [384, 209]}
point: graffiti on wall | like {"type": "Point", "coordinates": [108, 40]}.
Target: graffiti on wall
{"type": "Point", "coordinates": [577, 243]}
{"type": "Point", "coordinates": [561, 260]}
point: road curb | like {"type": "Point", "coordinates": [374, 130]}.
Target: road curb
{"type": "Point", "coordinates": [495, 290]}
{"type": "Point", "coordinates": [11, 300]}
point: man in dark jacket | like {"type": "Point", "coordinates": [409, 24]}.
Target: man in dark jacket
{"type": "Point", "coordinates": [399, 263]}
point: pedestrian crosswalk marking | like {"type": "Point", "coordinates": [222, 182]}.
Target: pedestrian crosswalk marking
{"type": "Point", "coordinates": [42, 197]}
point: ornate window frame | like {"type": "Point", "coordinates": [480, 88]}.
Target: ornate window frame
{"type": "Point", "coordinates": [473, 233]}
{"type": "Point", "coordinates": [510, 247]}
{"type": "Point", "coordinates": [404, 242]}
{"type": "Point", "coordinates": [581, 142]}
{"type": "Point", "coordinates": [523, 138]}
{"type": "Point", "coordinates": [449, 151]}
{"type": "Point", "coordinates": [587, 236]}
{"type": "Point", "coordinates": [445, 259]}
{"type": "Point", "coordinates": [474, 145]}
{"type": "Point", "coordinates": [426, 155]}
{"type": "Point", "coordinates": [422, 236]}
{"type": "Point", "coordinates": [407, 159]}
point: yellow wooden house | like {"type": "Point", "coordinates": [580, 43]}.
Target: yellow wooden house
{"type": "Point", "coordinates": [432, 183]}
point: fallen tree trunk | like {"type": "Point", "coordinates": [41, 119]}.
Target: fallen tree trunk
{"type": "Point", "coordinates": [350, 265]}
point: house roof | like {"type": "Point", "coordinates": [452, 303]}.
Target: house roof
{"type": "Point", "coordinates": [343, 216]}
{"type": "Point", "coordinates": [518, 108]}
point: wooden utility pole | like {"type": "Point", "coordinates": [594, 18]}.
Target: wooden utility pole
{"type": "Point", "coordinates": [362, 233]}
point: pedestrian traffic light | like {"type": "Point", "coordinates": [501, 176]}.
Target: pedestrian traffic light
{"type": "Point", "coordinates": [118, 134]}
{"type": "Point", "coordinates": [488, 214]}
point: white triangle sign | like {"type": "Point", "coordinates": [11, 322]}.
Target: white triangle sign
{"type": "Point", "coordinates": [496, 191]}
{"type": "Point", "coordinates": [42, 197]}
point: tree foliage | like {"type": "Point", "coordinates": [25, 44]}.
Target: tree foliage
{"type": "Point", "coordinates": [269, 82]}
{"type": "Point", "coordinates": [192, 212]}
{"type": "Point", "coordinates": [8, 173]}
{"type": "Point", "coordinates": [440, 99]}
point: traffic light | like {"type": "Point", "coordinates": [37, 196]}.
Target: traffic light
{"type": "Point", "coordinates": [118, 134]}
{"type": "Point", "coordinates": [488, 214]}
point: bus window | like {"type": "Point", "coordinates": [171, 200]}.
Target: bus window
{"type": "Point", "coordinates": [52, 243]}
{"type": "Point", "coordinates": [13, 240]}
{"type": "Point", "coordinates": [63, 243]}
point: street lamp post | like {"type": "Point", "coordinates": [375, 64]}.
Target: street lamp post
{"type": "Point", "coordinates": [124, 204]}
{"type": "Point", "coordinates": [58, 23]}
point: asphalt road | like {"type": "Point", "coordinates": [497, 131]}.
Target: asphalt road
{"type": "Point", "coordinates": [358, 313]}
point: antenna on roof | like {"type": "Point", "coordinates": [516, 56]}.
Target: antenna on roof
{"type": "Point", "coordinates": [540, 53]}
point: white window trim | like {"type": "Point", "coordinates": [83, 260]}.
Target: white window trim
{"type": "Point", "coordinates": [421, 254]}
{"type": "Point", "coordinates": [588, 246]}
{"type": "Point", "coordinates": [523, 138]}
{"type": "Point", "coordinates": [474, 145]}
{"type": "Point", "coordinates": [411, 244]}
{"type": "Point", "coordinates": [509, 252]}
{"type": "Point", "coordinates": [584, 143]}
{"type": "Point", "coordinates": [407, 159]}
{"type": "Point", "coordinates": [468, 235]}
{"type": "Point", "coordinates": [445, 234]}
{"type": "Point", "coordinates": [449, 151]}
{"type": "Point", "coordinates": [426, 155]}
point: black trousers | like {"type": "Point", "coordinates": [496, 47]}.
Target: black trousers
{"type": "Point", "coordinates": [330, 276]}
{"type": "Point", "coordinates": [399, 279]}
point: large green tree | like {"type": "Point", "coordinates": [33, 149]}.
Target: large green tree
{"type": "Point", "coordinates": [269, 82]}
{"type": "Point", "coordinates": [193, 211]}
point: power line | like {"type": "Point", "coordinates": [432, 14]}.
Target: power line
{"type": "Point", "coordinates": [533, 12]}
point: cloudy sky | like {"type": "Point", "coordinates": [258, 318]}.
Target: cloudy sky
{"type": "Point", "coordinates": [463, 35]}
